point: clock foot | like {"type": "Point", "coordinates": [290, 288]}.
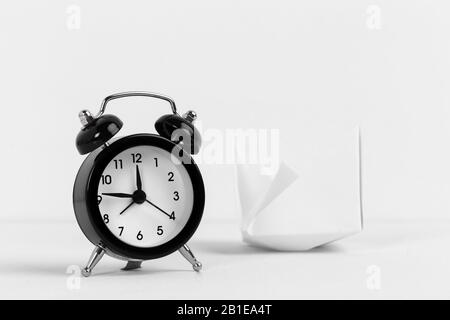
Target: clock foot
{"type": "Point", "coordinates": [96, 256]}
{"type": "Point", "coordinates": [187, 253]}
{"type": "Point", "coordinates": [133, 265]}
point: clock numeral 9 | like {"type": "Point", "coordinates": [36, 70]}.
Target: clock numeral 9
{"type": "Point", "coordinates": [171, 175]}
{"type": "Point", "coordinates": [160, 231]}
{"type": "Point", "coordinates": [106, 219]}
{"type": "Point", "coordinates": [118, 164]}
{"type": "Point", "coordinates": [140, 236]}
{"type": "Point", "coordinates": [176, 196]}
{"type": "Point", "coordinates": [137, 157]}
{"type": "Point", "coordinates": [99, 199]}
{"type": "Point", "coordinates": [106, 179]}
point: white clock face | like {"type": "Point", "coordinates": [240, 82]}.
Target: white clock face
{"type": "Point", "coordinates": [144, 198]}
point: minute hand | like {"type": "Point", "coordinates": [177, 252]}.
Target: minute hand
{"type": "Point", "coordinates": [138, 179]}
{"type": "Point", "coordinates": [159, 209]}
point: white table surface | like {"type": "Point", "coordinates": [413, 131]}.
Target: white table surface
{"type": "Point", "coordinates": [412, 256]}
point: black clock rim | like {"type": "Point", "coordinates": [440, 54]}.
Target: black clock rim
{"type": "Point", "coordinates": [108, 239]}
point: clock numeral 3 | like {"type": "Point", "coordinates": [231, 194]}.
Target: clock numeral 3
{"type": "Point", "coordinates": [160, 231]}
{"type": "Point", "coordinates": [176, 196]}
{"type": "Point", "coordinates": [106, 179]}
{"type": "Point", "coordinates": [140, 236]}
{"type": "Point", "coordinates": [137, 157]}
{"type": "Point", "coordinates": [171, 175]}
{"type": "Point", "coordinates": [106, 218]}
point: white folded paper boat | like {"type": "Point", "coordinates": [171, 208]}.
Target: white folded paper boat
{"type": "Point", "coordinates": [310, 201]}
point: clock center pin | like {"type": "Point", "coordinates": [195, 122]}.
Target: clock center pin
{"type": "Point", "coordinates": [139, 196]}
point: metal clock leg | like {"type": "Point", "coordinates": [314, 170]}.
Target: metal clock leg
{"type": "Point", "coordinates": [187, 253]}
{"type": "Point", "coordinates": [96, 256]}
{"type": "Point", "coordinates": [133, 265]}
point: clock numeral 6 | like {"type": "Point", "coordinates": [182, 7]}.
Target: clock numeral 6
{"type": "Point", "coordinates": [140, 236]}
{"type": "Point", "coordinates": [106, 218]}
{"type": "Point", "coordinates": [106, 179]}
{"type": "Point", "coordinates": [160, 231]}
{"type": "Point", "coordinates": [137, 157]}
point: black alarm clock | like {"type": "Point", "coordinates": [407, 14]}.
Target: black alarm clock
{"type": "Point", "coordinates": [139, 197]}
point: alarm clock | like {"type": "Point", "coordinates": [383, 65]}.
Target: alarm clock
{"type": "Point", "coordinates": [138, 197]}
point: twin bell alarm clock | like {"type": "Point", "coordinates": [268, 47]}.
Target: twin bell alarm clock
{"type": "Point", "coordinates": [138, 197]}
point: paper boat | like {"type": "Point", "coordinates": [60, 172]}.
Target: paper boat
{"type": "Point", "coordinates": [318, 202]}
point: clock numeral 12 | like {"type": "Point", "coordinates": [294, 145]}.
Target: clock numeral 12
{"type": "Point", "coordinates": [137, 157]}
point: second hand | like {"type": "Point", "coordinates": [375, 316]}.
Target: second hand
{"type": "Point", "coordinates": [154, 205]}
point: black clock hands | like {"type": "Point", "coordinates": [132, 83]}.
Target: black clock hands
{"type": "Point", "coordinates": [138, 179]}
{"type": "Point", "coordinates": [118, 195]}
{"type": "Point", "coordinates": [128, 207]}
{"type": "Point", "coordinates": [127, 195]}
{"type": "Point", "coordinates": [171, 216]}
{"type": "Point", "coordinates": [138, 197]}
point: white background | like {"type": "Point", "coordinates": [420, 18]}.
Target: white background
{"type": "Point", "coordinates": [258, 64]}
{"type": "Point", "coordinates": [261, 64]}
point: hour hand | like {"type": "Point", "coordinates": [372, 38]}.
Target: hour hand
{"type": "Point", "coordinates": [118, 195]}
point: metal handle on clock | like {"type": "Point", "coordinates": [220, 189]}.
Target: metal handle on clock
{"type": "Point", "coordinates": [136, 94]}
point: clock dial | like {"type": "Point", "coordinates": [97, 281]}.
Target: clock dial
{"type": "Point", "coordinates": [144, 198]}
